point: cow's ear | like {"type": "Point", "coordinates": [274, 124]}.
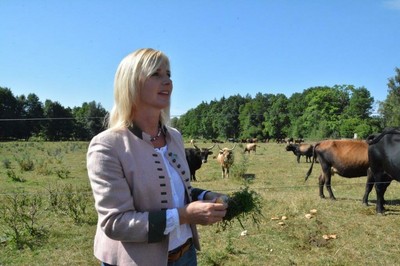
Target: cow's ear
{"type": "Point", "coordinates": [210, 152]}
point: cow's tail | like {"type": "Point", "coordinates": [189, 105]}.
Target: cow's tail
{"type": "Point", "coordinates": [312, 163]}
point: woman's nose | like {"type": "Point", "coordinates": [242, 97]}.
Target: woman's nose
{"type": "Point", "coordinates": [167, 81]}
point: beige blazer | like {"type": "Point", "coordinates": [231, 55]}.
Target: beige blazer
{"type": "Point", "coordinates": [132, 192]}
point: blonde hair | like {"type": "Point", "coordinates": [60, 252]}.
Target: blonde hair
{"type": "Point", "coordinates": [131, 74]}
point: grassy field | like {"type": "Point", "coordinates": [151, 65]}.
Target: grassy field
{"type": "Point", "coordinates": [65, 220]}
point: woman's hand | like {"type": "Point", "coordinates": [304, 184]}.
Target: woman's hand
{"type": "Point", "coordinates": [216, 197]}
{"type": "Point", "coordinates": [204, 212]}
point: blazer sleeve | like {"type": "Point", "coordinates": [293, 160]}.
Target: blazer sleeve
{"type": "Point", "coordinates": [196, 192]}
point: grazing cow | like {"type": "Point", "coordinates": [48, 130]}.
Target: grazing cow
{"type": "Point", "coordinates": [347, 158]}
{"type": "Point", "coordinates": [195, 157]}
{"type": "Point", "coordinates": [289, 140]}
{"type": "Point", "coordinates": [301, 150]}
{"type": "Point", "coordinates": [250, 147]}
{"type": "Point", "coordinates": [225, 159]}
{"type": "Point", "coordinates": [384, 162]}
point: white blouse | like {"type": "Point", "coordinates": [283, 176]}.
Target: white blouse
{"type": "Point", "coordinates": [178, 234]}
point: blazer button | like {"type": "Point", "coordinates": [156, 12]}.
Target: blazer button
{"type": "Point", "coordinates": [183, 172]}
{"type": "Point", "coordinates": [173, 160]}
{"type": "Point", "coordinates": [179, 166]}
{"type": "Point", "coordinates": [170, 153]}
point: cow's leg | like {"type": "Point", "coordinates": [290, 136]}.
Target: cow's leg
{"type": "Point", "coordinates": [382, 182]}
{"type": "Point", "coordinates": [321, 182]}
{"type": "Point", "coordinates": [227, 172]}
{"type": "Point", "coordinates": [328, 178]}
{"type": "Point", "coordinates": [193, 176]}
{"type": "Point", "coordinates": [298, 158]}
{"type": "Point", "coordinates": [368, 186]}
{"type": "Point", "coordinates": [223, 172]}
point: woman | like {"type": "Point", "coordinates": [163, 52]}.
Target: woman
{"type": "Point", "coordinates": [147, 208]}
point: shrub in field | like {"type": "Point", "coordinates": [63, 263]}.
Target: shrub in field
{"type": "Point", "coordinates": [6, 163]}
{"type": "Point", "coordinates": [63, 173]}
{"type": "Point", "coordinates": [13, 176]}
{"type": "Point", "coordinates": [55, 198]}
{"type": "Point", "coordinates": [239, 168]}
{"type": "Point", "coordinates": [42, 168]}
{"type": "Point", "coordinates": [76, 203]}
{"type": "Point", "coordinates": [56, 154]}
{"type": "Point", "coordinates": [25, 163]}
{"type": "Point", "coordinates": [20, 217]}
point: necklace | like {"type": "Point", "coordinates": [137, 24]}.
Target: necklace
{"type": "Point", "coordinates": [156, 136]}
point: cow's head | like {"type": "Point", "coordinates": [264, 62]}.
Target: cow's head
{"type": "Point", "coordinates": [290, 147]}
{"type": "Point", "coordinates": [226, 153]}
{"type": "Point", "coordinates": [204, 152]}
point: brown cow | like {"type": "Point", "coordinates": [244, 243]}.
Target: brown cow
{"type": "Point", "coordinates": [347, 158]}
{"type": "Point", "coordinates": [301, 150]}
{"type": "Point", "coordinates": [250, 147]}
{"type": "Point", "coordinates": [225, 159]}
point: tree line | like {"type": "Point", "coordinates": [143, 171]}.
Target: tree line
{"type": "Point", "coordinates": [316, 113]}
{"type": "Point", "coordinates": [26, 117]}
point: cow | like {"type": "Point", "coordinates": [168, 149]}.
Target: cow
{"type": "Point", "coordinates": [347, 158]}
{"type": "Point", "coordinates": [225, 158]}
{"type": "Point", "coordinates": [250, 147]}
{"type": "Point", "coordinates": [289, 140]}
{"type": "Point", "coordinates": [301, 150]}
{"type": "Point", "coordinates": [196, 157]}
{"type": "Point", "coordinates": [384, 163]}
{"type": "Point", "coordinates": [298, 141]}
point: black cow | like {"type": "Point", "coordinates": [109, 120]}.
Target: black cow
{"type": "Point", "coordinates": [301, 150]}
{"type": "Point", "coordinates": [384, 163]}
{"type": "Point", "coordinates": [195, 158]}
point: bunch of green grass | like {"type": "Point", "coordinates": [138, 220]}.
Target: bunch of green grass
{"type": "Point", "coordinates": [242, 205]}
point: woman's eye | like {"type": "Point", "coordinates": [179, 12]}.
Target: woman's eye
{"type": "Point", "coordinates": [155, 74]}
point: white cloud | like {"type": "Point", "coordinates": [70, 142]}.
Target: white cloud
{"type": "Point", "coordinates": [392, 4]}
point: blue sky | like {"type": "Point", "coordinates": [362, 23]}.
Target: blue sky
{"type": "Point", "coordinates": [68, 51]}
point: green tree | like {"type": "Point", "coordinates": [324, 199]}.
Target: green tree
{"type": "Point", "coordinates": [360, 103]}
{"type": "Point", "coordinates": [190, 123]}
{"type": "Point", "coordinates": [390, 108]}
{"type": "Point", "coordinates": [59, 123]}
{"type": "Point", "coordinates": [322, 114]}
{"type": "Point", "coordinates": [277, 121]}
{"type": "Point", "coordinates": [296, 106]}
{"type": "Point", "coordinates": [33, 109]}
{"type": "Point", "coordinates": [251, 116]}
{"type": "Point", "coordinates": [8, 114]}
{"type": "Point", "coordinates": [89, 120]}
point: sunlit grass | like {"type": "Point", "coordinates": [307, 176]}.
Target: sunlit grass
{"type": "Point", "coordinates": [363, 238]}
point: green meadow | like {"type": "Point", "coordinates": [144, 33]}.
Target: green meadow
{"type": "Point", "coordinates": [47, 215]}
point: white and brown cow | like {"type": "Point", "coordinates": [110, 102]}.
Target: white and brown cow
{"type": "Point", "coordinates": [225, 158]}
{"type": "Point", "coordinates": [250, 147]}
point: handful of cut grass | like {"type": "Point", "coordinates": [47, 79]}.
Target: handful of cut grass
{"type": "Point", "coordinates": [242, 205]}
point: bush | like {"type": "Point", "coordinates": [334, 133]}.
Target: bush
{"type": "Point", "coordinates": [26, 163]}
{"type": "Point", "coordinates": [20, 216]}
